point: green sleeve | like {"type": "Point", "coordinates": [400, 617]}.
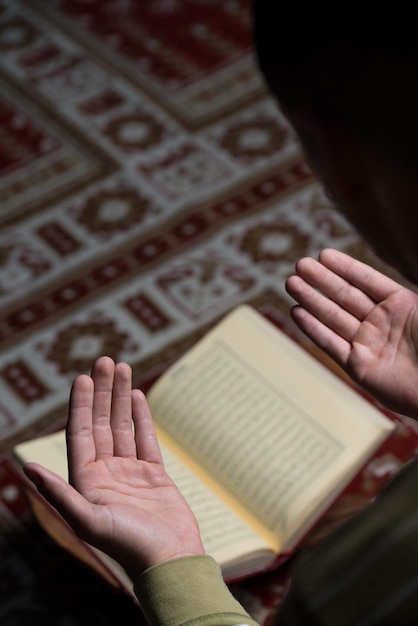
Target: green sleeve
{"type": "Point", "coordinates": [189, 591]}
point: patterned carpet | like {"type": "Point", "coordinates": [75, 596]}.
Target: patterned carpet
{"type": "Point", "coordinates": [148, 184]}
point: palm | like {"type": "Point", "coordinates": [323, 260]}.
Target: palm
{"type": "Point", "coordinates": [384, 353]}
{"type": "Point", "coordinates": [120, 499]}
{"type": "Point", "coordinates": [126, 495]}
{"type": "Point", "coordinates": [365, 321]}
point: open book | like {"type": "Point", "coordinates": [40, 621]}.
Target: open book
{"type": "Point", "coordinates": [259, 436]}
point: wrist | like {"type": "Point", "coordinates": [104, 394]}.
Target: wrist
{"type": "Point", "coordinates": [137, 566]}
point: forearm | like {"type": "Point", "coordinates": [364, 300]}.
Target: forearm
{"type": "Point", "coordinates": [189, 591]}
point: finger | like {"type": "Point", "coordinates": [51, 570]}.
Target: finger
{"type": "Point", "coordinates": [69, 503]}
{"type": "Point", "coordinates": [121, 415]}
{"type": "Point", "coordinates": [103, 376]}
{"type": "Point", "coordinates": [326, 311]}
{"type": "Point", "coordinates": [325, 338]}
{"type": "Point", "coordinates": [147, 445]}
{"type": "Point", "coordinates": [335, 287]}
{"type": "Point", "coordinates": [79, 431]}
{"type": "Point", "coordinates": [375, 284]}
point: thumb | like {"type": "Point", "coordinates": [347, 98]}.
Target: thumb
{"type": "Point", "coordinates": [69, 503]}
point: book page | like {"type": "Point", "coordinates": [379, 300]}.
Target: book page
{"type": "Point", "coordinates": [225, 535]}
{"type": "Point", "coordinates": [266, 420]}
